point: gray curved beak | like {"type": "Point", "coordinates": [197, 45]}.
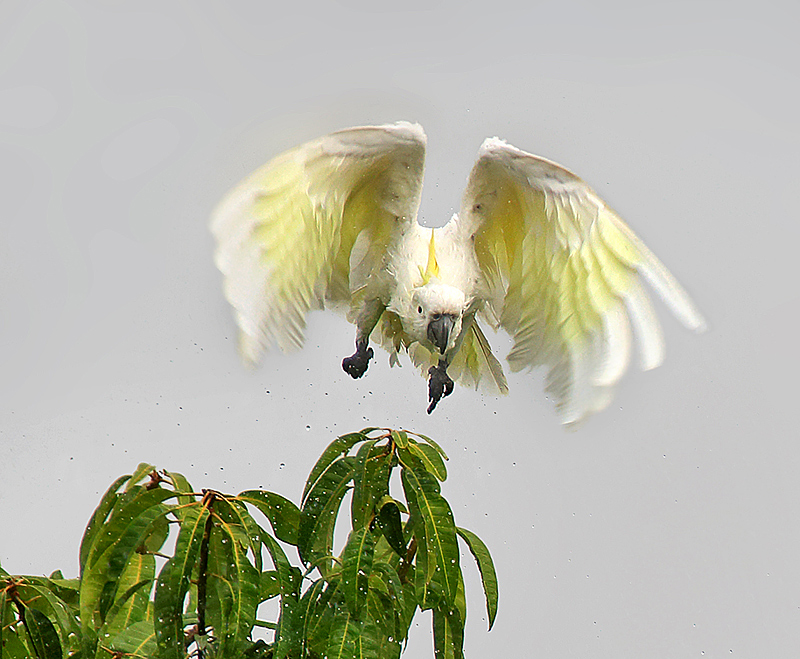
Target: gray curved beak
{"type": "Point", "coordinates": [439, 330]}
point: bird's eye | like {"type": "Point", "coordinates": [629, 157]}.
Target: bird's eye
{"type": "Point", "coordinates": [419, 309]}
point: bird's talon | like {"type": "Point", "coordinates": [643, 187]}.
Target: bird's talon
{"type": "Point", "coordinates": [439, 385]}
{"type": "Point", "coordinates": [356, 364]}
{"type": "Point", "coordinates": [448, 386]}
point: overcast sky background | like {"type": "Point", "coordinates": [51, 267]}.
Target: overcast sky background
{"type": "Point", "coordinates": [667, 526]}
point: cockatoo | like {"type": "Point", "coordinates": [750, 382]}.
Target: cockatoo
{"type": "Point", "coordinates": [533, 250]}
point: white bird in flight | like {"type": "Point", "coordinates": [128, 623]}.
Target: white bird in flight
{"type": "Point", "coordinates": [533, 250]}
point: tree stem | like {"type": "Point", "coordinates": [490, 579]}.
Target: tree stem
{"type": "Point", "coordinates": [406, 565]}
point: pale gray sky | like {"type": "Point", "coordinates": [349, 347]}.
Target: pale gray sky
{"type": "Point", "coordinates": [667, 526]}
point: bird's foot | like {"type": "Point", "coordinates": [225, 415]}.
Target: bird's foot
{"type": "Point", "coordinates": [439, 385]}
{"type": "Point", "coordinates": [356, 365]}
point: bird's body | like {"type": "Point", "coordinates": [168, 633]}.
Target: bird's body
{"type": "Point", "coordinates": [533, 250]}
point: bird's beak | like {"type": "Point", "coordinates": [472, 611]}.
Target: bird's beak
{"type": "Point", "coordinates": [439, 330]}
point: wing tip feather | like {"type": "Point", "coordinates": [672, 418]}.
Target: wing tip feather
{"type": "Point", "coordinates": [409, 129]}
{"type": "Point", "coordinates": [491, 144]}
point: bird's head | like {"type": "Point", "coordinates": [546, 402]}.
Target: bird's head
{"type": "Point", "coordinates": [435, 316]}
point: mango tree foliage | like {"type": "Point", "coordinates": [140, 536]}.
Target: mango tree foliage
{"type": "Point", "coordinates": [134, 597]}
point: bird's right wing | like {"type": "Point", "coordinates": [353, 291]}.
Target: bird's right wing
{"type": "Point", "coordinates": [313, 224]}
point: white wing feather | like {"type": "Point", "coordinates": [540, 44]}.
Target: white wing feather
{"type": "Point", "coordinates": [567, 271]}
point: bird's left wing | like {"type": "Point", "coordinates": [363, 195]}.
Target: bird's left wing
{"type": "Point", "coordinates": [564, 274]}
{"type": "Point", "coordinates": [313, 224]}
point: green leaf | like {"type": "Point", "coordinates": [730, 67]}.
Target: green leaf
{"type": "Point", "coordinates": [284, 569]}
{"type": "Point", "coordinates": [370, 481]}
{"type": "Point", "coordinates": [269, 585]}
{"type": "Point", "coordinates": [448, 634]}
{"type": "Point", "coordinates": [308, 614]}
{"type": "Point", "coordinates": [378, 637]}
{"type": "Point", "coordinates": [259, 650]}
{"type": "Point", "coordinates": [67, 590]}
{"type": "Point", "coordinates": [282, 514]}
{"type": "Point", "coordinates": [383, 629]}
{"type": "Point", "coordinates": [430, 458]}
{"type": "Point", "coordinates": [356, 568]}
{"type": "Point", "coordinates": [288, 640]}
{"type": "Point", "coordinates": [42, 633]}
{"type": "Point", "coordinates": [344, 634]}
{"type": "Point", "coordinates": [369, 641]}
{"type": "Point", "coordinates": [411, 461]}
{"type": "Point", "coordinates": [241, 578]}
{"type": "Point", "coordinates": [377, 584]}
{"type": "Point", "coordinates": [287, 635]}
{"type": "Point", "coordinates": [98, 518]}
{"type": "Point", "coordinates": [425, 591]}
{"type": "Point", "coordinates": [14, 646]}
{"type": "Point", "coordinates": [138, 640]}
{"type": "Point", "coordinates": [173, 582]}
{"type": "Point", "coordinates": [448, 627]}
{"type": "Point", "coordinates": [182, 486]}
{"type": "Point", "coordinates": [400, 438]}
{"type": "Point", "coordinates": [486, 567]}
{"type": "Point", "coordinates": [411, 603]}
{"type": "Point", "coordinates": [248, 531]}
{"type": "Point", "coordinates": [129, 609]}
{"type": "Point", "coordinates": [6, 608]}
{"type": "Point", "coordinates": [131, 606]}
{"type": "Point", "coordinates": [388, 520]}
{"type": "Point", "coordinates": [427, 439]}
{"type": "Point", "coordinates": [337, 447]}
{"type": "Point", "coordinates": [219, 586]}
{"type": "Point", "coordinates": [36, 594]}
{"type": "Point", "coordinates": [129, 518]}
{"type": "Point", "coordinates": [417, 573]}
{"type": "Point", "coordinates": [432, 594]}
{"type": "Point", "coordinates": [320, 510]}
{"type": "Point", "coordinates": [425, 569]}
{"type": "Point", "coordinates": [422, 492]}
{"type": "Point", "coordinates": [159, 531]}
{"type": "Point", "coordinates": [142, 471]}
{"type": "Point", "coordinates": [125, 531]}
{"type": "Point", "coordinates": [318, 614]}
{"type": "Point", "coordinates": [388, 575]}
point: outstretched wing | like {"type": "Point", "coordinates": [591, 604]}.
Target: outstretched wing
{"type": "Point", "coordinates": [313, 224]}
{"type": "Point", "coordinates": [563, 271]}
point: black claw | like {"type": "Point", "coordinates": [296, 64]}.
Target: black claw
{"type": "Point", "coordinates": [439, 385]}
{"type": "Point", "coordinates": [356, 365]}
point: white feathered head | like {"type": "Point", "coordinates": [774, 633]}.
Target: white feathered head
{"type": "Point", "coordinates": [434, 315]}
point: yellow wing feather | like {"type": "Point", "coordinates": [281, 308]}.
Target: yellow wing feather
{"type": "Point", "coordinates": [313, 224]}
{"type": "Point", "coordinates": [564, 274]}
